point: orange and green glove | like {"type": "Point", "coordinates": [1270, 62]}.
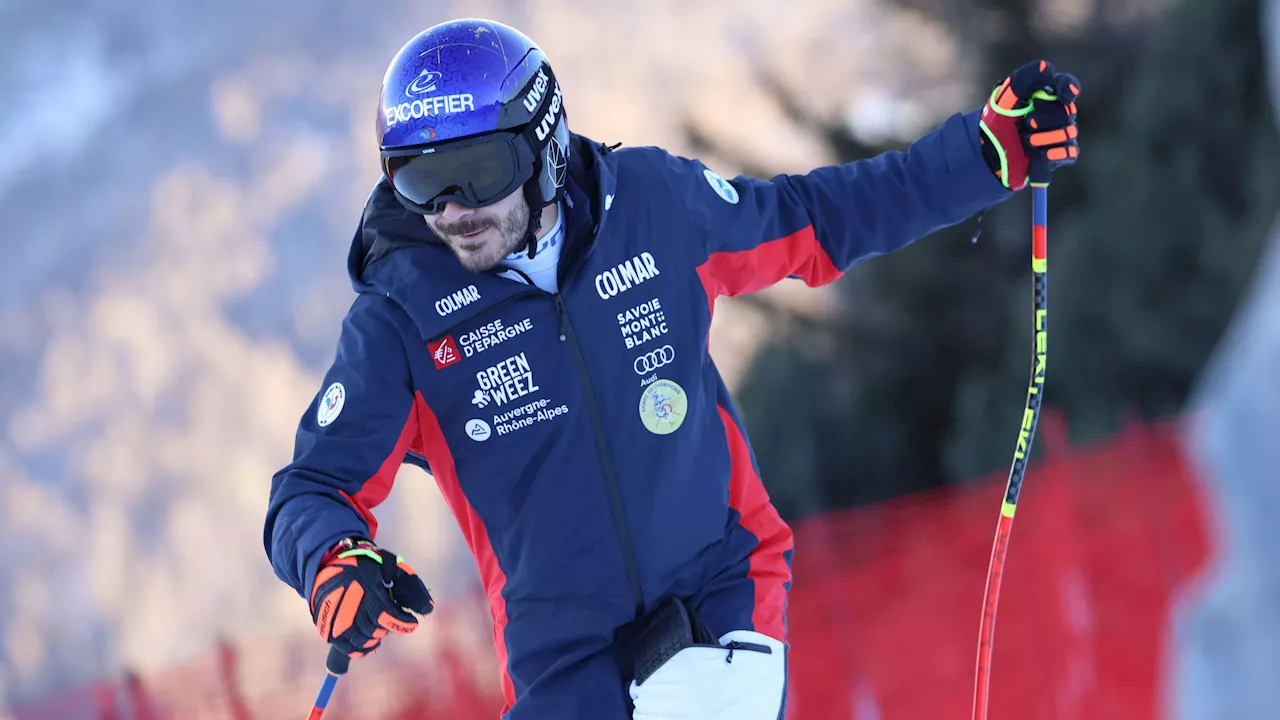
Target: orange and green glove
{"type": "Point", "coordinates": [362, 593]}
{"type": "Point", "coordinates": [1029, 119]}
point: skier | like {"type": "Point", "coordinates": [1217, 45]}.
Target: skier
{"type": "Point", "coordinates": [531, 326]}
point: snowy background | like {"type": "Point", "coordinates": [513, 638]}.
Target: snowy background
{"type": "Point", "coordinates": [1228, 635]}
{"type": "Point", "coordinates": [178, 188]}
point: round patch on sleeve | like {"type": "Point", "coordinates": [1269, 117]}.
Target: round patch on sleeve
{"type": "Point", "coordinates": [722, 187]}
{"type": "Point", "coordinates": [331, 404]}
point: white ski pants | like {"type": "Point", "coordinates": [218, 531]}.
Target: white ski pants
{"type": "Point", "coordinates": [746, 681]}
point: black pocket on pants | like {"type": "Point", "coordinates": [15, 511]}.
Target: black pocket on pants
{"type": "Point", "coordinates": [670, 628]}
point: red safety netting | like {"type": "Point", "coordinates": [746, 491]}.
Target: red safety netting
{"type": "Point", "coordinates": [883, 615]}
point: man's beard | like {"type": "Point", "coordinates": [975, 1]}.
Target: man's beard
{"type": "Point", "coordinates": [512, 228]}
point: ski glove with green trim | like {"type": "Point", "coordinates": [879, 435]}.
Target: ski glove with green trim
{"type": "Point", "coordinates": [1030, 117]}
{"type": "Point", "coordinates": [363, 592]}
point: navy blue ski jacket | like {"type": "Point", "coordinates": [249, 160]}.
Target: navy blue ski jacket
{"type": "Point", "coordinates": [584, 440]}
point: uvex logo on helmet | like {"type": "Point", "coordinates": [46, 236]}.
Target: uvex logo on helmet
{"type": "Point", "coordinates": [553, 114]}
{"type": "Point", "coordinates": [533, 98]}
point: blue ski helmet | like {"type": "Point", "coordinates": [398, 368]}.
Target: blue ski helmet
{"type": "Point", "coordinates": [470, 112]}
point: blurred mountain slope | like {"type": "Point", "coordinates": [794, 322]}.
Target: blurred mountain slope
{"type": "Point", "coordinates": [1228, 636]}
{"type": "Point", "coordinates": [178, 187]}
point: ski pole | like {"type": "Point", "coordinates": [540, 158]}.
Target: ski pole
{"type": "Point", "coordinates": [335, 667]}
{"type": "Point", "coordinates": [1039, 181]}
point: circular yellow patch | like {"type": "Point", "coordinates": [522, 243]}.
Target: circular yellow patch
{"type": "Point", "coordinates": [663, 406]}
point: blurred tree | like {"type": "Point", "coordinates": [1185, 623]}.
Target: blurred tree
{"type": "Point", "coordinates": [918, 380]}
{"type": "Point", "coordinates": [1159, 239]}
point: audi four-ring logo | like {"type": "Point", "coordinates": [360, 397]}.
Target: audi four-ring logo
{"type": "Point", "coordinates": [651, 361]}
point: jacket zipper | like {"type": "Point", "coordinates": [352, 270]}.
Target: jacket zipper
{"type": "Point", "coordinates": [602, 450]}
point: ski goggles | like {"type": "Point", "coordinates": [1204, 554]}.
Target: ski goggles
{"type": "Point", "coordinates": [473, 172]}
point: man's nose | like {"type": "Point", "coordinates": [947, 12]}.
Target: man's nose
{"type": "Point", "coordinates": [454, 212]}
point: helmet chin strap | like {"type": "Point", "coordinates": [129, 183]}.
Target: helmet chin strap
{"type": "Point", "coordinates": [533, 188]}
{"type": "Point", "coordinates": [534, 199]}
